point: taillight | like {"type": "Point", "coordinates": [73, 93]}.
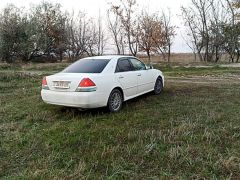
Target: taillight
{"type": "Point", "coordinates": [44, 84]}
{"type": "Point", "coordinates": [86, 85]}
{"type": "Point", "coordinates": [86, 82]}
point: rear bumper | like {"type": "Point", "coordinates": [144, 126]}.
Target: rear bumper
{"type": "Point", "coordinates": [74, 99]}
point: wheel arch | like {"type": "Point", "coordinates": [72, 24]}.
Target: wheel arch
{"type": "Point", "coordinates": [162, 78]}
{"type": "Point", "coordinates": [121, 90]}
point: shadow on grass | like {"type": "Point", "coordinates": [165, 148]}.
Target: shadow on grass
{"type": "Point", "coordinates": [141, 104]}
{"type": "Point", "coordinates": [104, 110]}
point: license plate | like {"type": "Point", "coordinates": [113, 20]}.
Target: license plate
{"type": "Point", "coordinates": [61, 84]}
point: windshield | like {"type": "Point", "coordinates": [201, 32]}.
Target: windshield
{"type": "Point", "coordinates": [87, 66]}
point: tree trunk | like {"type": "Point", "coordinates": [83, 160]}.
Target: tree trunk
{"type": "Point", "coordinates": [200, 56]}
{"type": "Point", "coordinates": [61, 56]}
{"type": "Point", "coordinates": [195, 56]}
{"type": "Point", "coordinates": [169, 52]}
{"type": "Point", "coordinates": [238, 56]}
{"type": "Point", "coordinates": [148, 54]}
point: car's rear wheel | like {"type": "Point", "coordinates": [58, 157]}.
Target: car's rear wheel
{"type": "Point", "coordinates": [158, 86]}
{"type": "Point", "coordinates": [115, 101]}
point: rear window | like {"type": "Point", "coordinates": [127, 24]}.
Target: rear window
{"type": "Point", "coordinates": [87, 66]}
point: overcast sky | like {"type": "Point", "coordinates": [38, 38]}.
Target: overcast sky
{"type": "Point", "coordinates": [91, 7]}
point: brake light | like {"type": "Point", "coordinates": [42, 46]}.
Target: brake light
{"type": "Point", "coordinates": [44, 84]}
{"type": "Point", "coordinates": [44, 81]}
{"type": "Point", "coordinates": [86, 85]}
{"type": "Point", "coordinates": [86, 82]}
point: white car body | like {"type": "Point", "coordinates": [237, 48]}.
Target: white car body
{"type": "Point", "coordinates": [131, 83]}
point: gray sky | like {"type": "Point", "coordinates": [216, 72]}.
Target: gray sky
{"type": "Point", "coordinates": [91, 7]}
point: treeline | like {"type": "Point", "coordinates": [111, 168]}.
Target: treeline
{"type": "Point", "coordinates": [213, 29]}
{"type": "Point", "coordinates": [47, 33]}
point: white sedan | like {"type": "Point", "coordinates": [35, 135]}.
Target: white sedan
{"type": "Point", "coordinates": [101, 81]}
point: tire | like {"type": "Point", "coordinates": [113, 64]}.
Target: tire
{"type": "Point", "coordinates": [158, 88]}
{"type": "Point", "coordinates": [115, 101]}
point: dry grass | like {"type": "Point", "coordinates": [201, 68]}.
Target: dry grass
{"type": "Point", "coordinates": [182, 59]}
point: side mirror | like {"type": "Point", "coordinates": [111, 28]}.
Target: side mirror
{"type": "Point", "coordinates": [149, 67]}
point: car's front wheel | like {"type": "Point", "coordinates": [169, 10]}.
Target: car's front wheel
{"type": "Point", "coordinates": [115, 101]}
{"type": "Point", "coordinates": [158, 86]}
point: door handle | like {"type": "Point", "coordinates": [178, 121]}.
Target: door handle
{"type": "Point", "coordinates": [120, 77]}
{"type": "Point", "coordinates": [139, 75]}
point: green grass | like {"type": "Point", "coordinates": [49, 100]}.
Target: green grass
{"type": "Point", "coordinates": [198, 71]}
{"type": "Point", "coordinates": [191, 130]}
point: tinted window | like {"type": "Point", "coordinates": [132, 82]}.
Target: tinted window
{"type": "Point", "coordinates": [124, 65]}
{"type": "Point", "coordinates": [87, 66]}
{"type": "Point", "coordinates": [138, 65]}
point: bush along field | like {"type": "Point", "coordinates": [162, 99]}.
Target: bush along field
{"type": "Point", "coordinates": [191, 130]}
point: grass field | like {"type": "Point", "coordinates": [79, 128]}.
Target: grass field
{"type": "Point", "coordinates": [191, 130]}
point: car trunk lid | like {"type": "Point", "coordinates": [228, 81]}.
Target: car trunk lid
{"type": "Point", "coordinates": [67, 82]}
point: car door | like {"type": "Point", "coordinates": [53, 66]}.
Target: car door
{"type": "Point", "coordinates": [127, 77]}
{"type": "Point", "coordinates": [144, 76]}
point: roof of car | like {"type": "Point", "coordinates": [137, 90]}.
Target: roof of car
{"type": "Point", "coordinates": [108, 57]}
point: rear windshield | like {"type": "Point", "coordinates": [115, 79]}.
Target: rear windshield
{"type": "Point", "coordinates": [87, 66]}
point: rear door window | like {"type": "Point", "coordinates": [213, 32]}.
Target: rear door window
{"type": "Point", "coordinates": [87, 66]}
{"type": "Point", "coordinates": [124, 66]}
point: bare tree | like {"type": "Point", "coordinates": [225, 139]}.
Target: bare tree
{"type": "Point", "coordinates": [168, 33]}
{"type": "Point", "coordinates": [147, 26]}
{"type": "Point", "coordinates": [77, 29]}
{"type": "Point", "coordinates": [218, 19]}
{"type": "Point", "coordinates": [204, 20]}
{"type": "Point", "coordinates": [156, 34]}
{"type": "Point", "coordinates": [213, 29]}
{"type": "Point", "coordinates": [101, 34]}
{"type": "Point", "coordinates": [231, 31]}
{"type": "Point", "coordinates": [97, 38]}
{"type": "Point", "coordinates": [189, 22]}
{"type": "Point", "coordinates": [130, 24]}
{"type": "Point", "coordinates": [163, 34]}
{"type": "Point", "coordinates": [190, 44]}
{"type": "Point", "coordinates": [115, 28]}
